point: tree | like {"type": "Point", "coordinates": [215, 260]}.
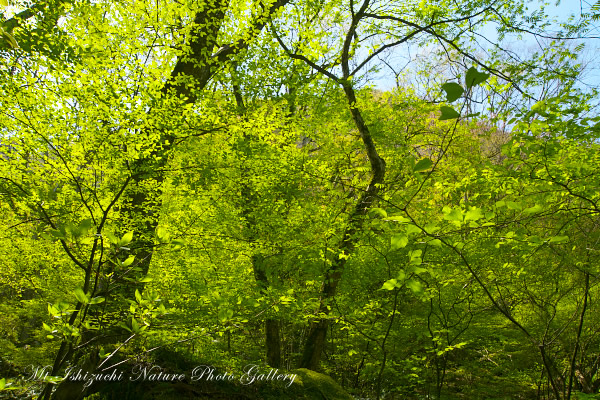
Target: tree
{"type": "Point", "coordinates": [385, 30]}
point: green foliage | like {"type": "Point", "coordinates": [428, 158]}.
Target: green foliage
{"type": "Point", "coordinates": [206, 186]}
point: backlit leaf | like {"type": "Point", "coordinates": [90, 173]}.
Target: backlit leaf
{"type": "Point", "coordinates": [81, 296]}
{"type": "Point", "coordinates": [399, 241]}
{"type": "Point", "coordinates": [126, 239]}
{"type": "Point", "coordinates": [390, 284]}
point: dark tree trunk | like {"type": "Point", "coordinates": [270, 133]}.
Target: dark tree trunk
{"type": "Point", "coordinates": [272, 331]}
{"type": "Point", "coordinates": [273, 342]}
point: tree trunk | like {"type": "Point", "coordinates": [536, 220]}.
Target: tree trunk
{"type": "Point", "coordinates": [272, 326]}
{"type": "Point", "coordinates": [272, 331]}
{"type": "Point", "coordinates": [188, 78]}
{"type": "Point", "coordinates": [315, 342]}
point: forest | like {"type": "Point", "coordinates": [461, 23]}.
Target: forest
{"type": "Point", "coordinates": [299, 199]}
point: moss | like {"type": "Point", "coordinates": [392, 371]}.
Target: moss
{"type": "Point", "coordinates": [311, 381]}
{"type": "Point", "coordinates": [308, 385]}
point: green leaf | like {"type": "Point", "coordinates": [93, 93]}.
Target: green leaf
{"type": "Point", "coordinates": [138, 296]}
{"type": "Point", "coordinates": [226, 314]}
{"type": "Point", "coordinates": [435, 242]}
{"type": "Point", "coordinates": [177, 244]}
{"type": "Point", "coordinates": [398, 218]}
{"type": "Point", "coordinates": [431, 228]}
{"type": "Point", "coordinates": [414, 285]}
{"type": "Point", "coordinates": [414, 269]}
{"type": "Point", "coordinates": [85, 226]}
{"type": "Point", "coordinates": [3, 380]}
{"type": "Point", "coordinates": [111, 238]}
{"type": "Point", "coordinates": [81, 296]}
{"type": "Point", "coordinates": [52, 379]}
{"type": "Point", "coordinates": [390, 284]}
{"type": "Point", "coordinates": [422, 165]}
{"type": "Point", "coordinates": [135, 327]}
{"type": "Point", "coordinates": [532, 210]}
{"type": "Point", "coordinates": [453, 214]}
{"type": "Point", "coordinates": [162, 234]}
{"type": "Point", "coordinates": [145, 279]}
{"type": "Point", "coordinates": [63, 307]}
{"type": "Point", "coordinates": [540, 108]}
{"type": "Point", "coordinates": [58, 234]}
{"type": "Point", "coordinates": [474, 77]}
{"type": "Point", "coordinates": [97, 300]}
{"type": "Point", "coordinates": [448, 113]}
{"type": "Point", "coordinates": [513, 205]}
{"type": "Point", "coordinates": [453, 91]}
{"type": "Point", "coordinates": [128, 261]}
{"type": "Point", "coordinates": [415, 256]}
{"type": "Point", "coordinates": [126, 239]}
{"type": "Point", "coordinates": [11, 40]}
{"type": "Point", "coordinates": [4, 3]}
{"type": "Point", "coordinates": [52, 310]}
{"type": "Point", "coordinates": [473, 214]}
{"type": "Point", "coordinates": [399, 241]}
{"type": "Point", "coordinates": [559, 239]}
{"type": "Point", "coordinates": [411, 228]}
{"type": "Point", "coordinates": [378, 211]}
{"type": "Point", "coordinates": [535, 240]}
